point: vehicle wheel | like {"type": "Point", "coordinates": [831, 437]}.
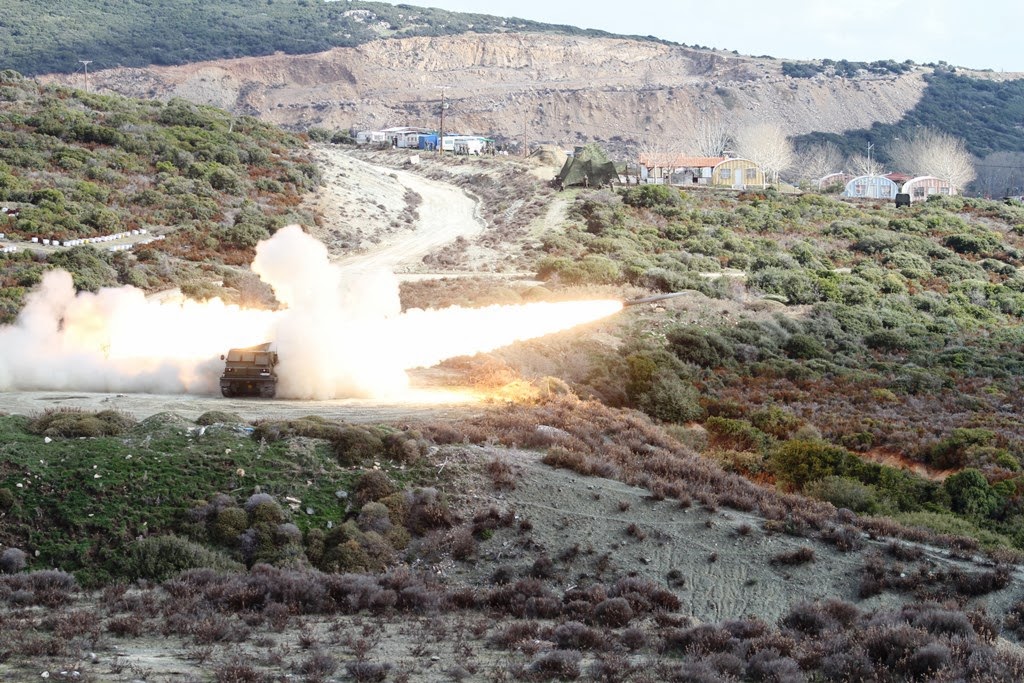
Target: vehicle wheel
{"type": "Point", "coordinates": [226, 392]}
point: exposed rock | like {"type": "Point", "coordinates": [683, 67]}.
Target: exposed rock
{"type": "Point", "coordinates": [562, 89]}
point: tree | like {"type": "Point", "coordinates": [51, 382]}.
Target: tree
{"type": "Point", "coordinates": [660, 151]}
{"type": "Point", "coordinates": [706, 136]}
{"type": "Point", "coordinates": [767, 146]}
{"type": "Point", "coordinates": [859, 164]}
{"type": "Point", "coordinates": [819, 160]}
{"type": "Point", "coordinates": [931, 152]}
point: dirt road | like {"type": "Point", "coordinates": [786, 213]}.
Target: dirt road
{"type": "Point", "coordinates": [427, 404]}
{"type": "Point", "coordinates": [367, 214]}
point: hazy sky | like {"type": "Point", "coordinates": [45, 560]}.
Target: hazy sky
{"type": "Point", "coordinates": [981, 34]}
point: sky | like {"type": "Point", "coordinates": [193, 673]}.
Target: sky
{"type": "Point", "coordinates": [979, 34]}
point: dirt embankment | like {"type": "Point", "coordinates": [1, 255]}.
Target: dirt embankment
{"type": "Point", "coordinates": [537, 87]}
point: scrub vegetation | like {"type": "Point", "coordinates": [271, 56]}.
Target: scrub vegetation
{"type": "Point", "coordinates": [140, 33]}
{"type": "Point", "coordinates": [871, 357]}
{"type": "Point", "coordinates": [76, 165]}
{"type": "Point", "coordinates": [825, 427]}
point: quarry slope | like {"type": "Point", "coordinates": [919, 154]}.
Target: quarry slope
{"type": "Point", "coordinates": [532, 87]}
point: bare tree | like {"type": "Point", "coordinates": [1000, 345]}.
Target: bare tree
{"type": "Point", "coordinates": [860, 164]}
{"type": "Point", "coordinates": [706, 136]}
{"type": "Point", "coordinates": [767, 146]}
{"type": "Point", "coordinates": [660, 151]}
{"type": "Point", "coordinates": [931, 152]}
{"type": "Point", "coordinates": [819, 160]}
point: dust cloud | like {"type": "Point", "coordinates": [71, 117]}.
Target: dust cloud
{"type": "Point", "coordinates": [338, 333]}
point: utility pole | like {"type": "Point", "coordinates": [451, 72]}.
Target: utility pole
{"type": "Point", "coordinates": [86, 63]}
{"type": "Point", "coordinates": [440, 137]}
{"type": "Point", "coordinates": [871, 166]}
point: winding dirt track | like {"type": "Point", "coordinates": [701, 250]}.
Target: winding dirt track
{"type": "Point", "coordinates": [445, 213]}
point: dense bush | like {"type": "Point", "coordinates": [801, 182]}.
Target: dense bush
{"type": "Point", "coordinates": [71, 422]}
{"type": "Point", "coordinates": [161, 557]}
{"type": "Point", "coordinates": [651, 196]}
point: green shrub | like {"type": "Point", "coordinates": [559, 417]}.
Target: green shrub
{"type": "Point", "coordinates": [353, 445]}
{"type": "Point", "coordinates": [889, 341]}
{"type": "Point", "coordinates": [799, 462]}
{"type": "Point", "coordinates": [955, 451]}
{"type": "Point", "coordinates": [970, 494]}
{"type": "Point", "coordinates": [7, 500]}
{"type": "Point", "coordinates": [775, 421]}
{"type": "Point", "coordinates": [734, 434]}
{"type": "Point", "coordinates": [601, 211]}
{"type": "Point", "coordinates": [160, 557]}
{"type": "Point", "coordinates": [949, 524]}
{"type": "Point", "coordinates": [229, 525]}
{"type": "Point", "coordinates": [805, 347]}
{"type": "Point", "coordinates": [309, 426]}
{"type": "Point", "coordinates": [73, 422]}
{"type": "Point", "coordinates": [796, 286]}
{"type": "Point", "coordinates": [670, 398]}
{"type": "Point", "coordinates": [982, 243]}
{"type": "Point", "coordinates": [263, 508]}
{"type": "Point", "coordinates": [844, 492]}
{"type": "Point", "coordinates": [650, 196]}
{"type": "Point", "coordinates": [218, 417]}
{"type": "Point", "coordinates": [911, 266]}
{"type": "Point", "coordinates": [699, 347]}
{"type": "Point", "coordinates": [591, 269]}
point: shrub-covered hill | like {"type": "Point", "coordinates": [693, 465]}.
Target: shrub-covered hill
{"type": "Point", "coordinates": [985, 114]}
{"type": "Point", "coordinates": [76, 165]}
{"type": "Point", "coordinates": [857, 336]}
{"type": "Point", "coordinates": [361, 553]}
{"type": "Point", "coordinates": [140, 33]}
{"type": "Point", "coordinates": [79, 489]}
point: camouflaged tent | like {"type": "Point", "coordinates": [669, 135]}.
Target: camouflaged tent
{"type": "Point", "coordinates": [589, 166]}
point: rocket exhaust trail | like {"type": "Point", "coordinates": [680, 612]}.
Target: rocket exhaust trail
{"type": "Point", "coordinates": [336, 336]}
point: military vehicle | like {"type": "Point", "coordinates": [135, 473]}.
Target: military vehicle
{"type": "Point", "coordinates": [250, 372]}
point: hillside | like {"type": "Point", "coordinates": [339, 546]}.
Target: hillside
{"type": "Point", "coordinates": [807, 466]}
{"type": "Point", "coordinates": [137, 33]}
{"type": "Point", "coordinates": [77, 166]}
{"type": "Point", "coordinates": [537, 86]}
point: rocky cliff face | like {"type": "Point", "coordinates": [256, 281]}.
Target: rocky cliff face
{"type": "Point", "coordinates": [537, 87]}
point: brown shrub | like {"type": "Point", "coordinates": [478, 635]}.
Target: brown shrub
{"type": "Point", "coordinates": [372, 486]}
{"type": "Point", "coordinates": [563, 665]}
{"type": "Point", "coordinates": [502, 477]}
{"type": "Point", "coordinates": [573, 635]}
{"type": "Point", "coordinates": [613, 613]}
{"type": "Point", "coordinates": [126, 626]}
{"type": "Point", "coordinates": [801, 555]}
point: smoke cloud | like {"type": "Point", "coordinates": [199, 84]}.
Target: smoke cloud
{"type": "Point", "coordinates": [338, 333]}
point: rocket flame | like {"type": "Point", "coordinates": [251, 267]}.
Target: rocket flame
{"type": "Point", "coordinates": [339, 334]}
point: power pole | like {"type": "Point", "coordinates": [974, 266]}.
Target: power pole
{"type": "Point", "coordinates": [86, 63]}
{"type": "Point", "coordinates": [440, 137]}
{"type": "Point", "coordinates": [526, 144]}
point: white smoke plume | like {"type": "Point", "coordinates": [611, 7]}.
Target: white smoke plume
{"type": "Point", "coordinates": [338, 333]}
